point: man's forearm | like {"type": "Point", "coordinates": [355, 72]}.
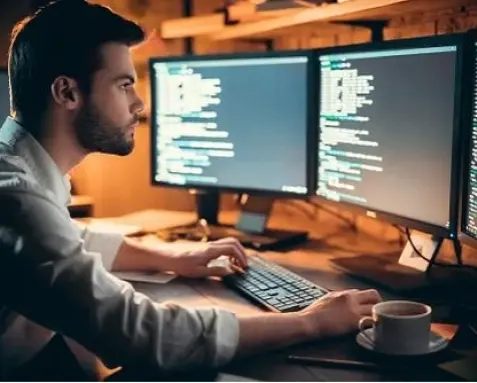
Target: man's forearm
{"type": "Point", "coordinates": [269, 331]}
{"type": "Point", "coordinates": [133, 256]}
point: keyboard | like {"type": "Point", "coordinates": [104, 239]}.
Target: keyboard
{"type": "Point", "coordinates": [274, 287]}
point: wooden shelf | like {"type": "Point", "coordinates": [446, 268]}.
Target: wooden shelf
{"type": "Point", "coordinates": [352, 10]}
{"type": "Point", "coordinates": [208, 24]}
{"type": "Point", "coordinates": [250, 24]}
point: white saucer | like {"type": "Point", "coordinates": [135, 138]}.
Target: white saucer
{"type": "Point", "coordinates": [437, 343]}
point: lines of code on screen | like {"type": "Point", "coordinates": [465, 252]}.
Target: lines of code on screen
{"type": "Point", "coordinates": [386, 131]}
{"type": "Point", "coordinates": [234, 123]}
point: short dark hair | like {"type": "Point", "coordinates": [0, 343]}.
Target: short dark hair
{"type": "Point", "coordinates": [61, 38]}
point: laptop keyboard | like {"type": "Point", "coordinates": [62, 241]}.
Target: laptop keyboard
{"type": "Point", "coordinates": [274, 286]}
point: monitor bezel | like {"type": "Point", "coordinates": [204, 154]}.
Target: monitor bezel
{"type": "Point", "coordinates": [310, 121]}
{"type": "Point", "coordinates": [457, 39]}
{"type": "Point", "coordinates": [464, 235]}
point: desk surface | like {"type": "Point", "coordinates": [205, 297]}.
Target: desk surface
{"type": "Point", "coordinates": [312, 262]}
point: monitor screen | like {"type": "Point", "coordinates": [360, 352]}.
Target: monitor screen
{"type": "Point", "coordinates": [4, 96]}
{"type": "Point", "coordinates": [469, 213]}
{"type": "Point", "coordinates": [231, 122]}
{"type": "Point", "coordinates": [386, 131]}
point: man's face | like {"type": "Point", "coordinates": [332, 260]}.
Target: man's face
{"type": "Point", "coordinates": [109, 115]}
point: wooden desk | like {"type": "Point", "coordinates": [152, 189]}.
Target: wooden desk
{"type": "Point", "coordinates": [310, 261]}
{"type": "Point", "coordinates": [270, 366]}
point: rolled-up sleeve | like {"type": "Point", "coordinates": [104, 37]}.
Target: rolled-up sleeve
{"type": "Point", "coordinates": [53, 280]}
{"type": "Point", "coordinates": [105, 243]}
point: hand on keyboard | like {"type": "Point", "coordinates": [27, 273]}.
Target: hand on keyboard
{"type": "Point", "coordinates": [195, 263]}
{"type": "Point", "coordinates": [279, 289]}
{"type": "Point", "coordinates": [339, 312]}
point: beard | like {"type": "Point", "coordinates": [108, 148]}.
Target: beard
{"type": "Point", "coordinates": [97, 133]}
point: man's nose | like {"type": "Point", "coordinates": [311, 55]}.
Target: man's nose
{"type": "Point", "coordinates": [138, 105]}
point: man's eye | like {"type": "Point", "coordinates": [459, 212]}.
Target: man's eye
{"type": "Point", "coordinates": [125, 86]}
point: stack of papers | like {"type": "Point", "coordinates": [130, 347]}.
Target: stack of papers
{"type": "Point", "coordinates": [109, 226]}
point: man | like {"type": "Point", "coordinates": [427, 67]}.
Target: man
{"type": "Point", "coordinates": [72, 93]}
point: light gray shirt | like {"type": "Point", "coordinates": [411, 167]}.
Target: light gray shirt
{"type": "Point", "coordinates": [54, 278]}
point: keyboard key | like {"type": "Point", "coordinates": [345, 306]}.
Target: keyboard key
{"type": "Point", "coordinates": [290, 308]}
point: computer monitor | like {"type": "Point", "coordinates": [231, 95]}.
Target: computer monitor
{"type": "Point", "coordinates": [237, 123]}
{"type": "Point", "coordinates": [4, 95]}
{"type": "Point", "coordinates": [389, 130]}
{"type": "Point", "coordinates": [469, 185]}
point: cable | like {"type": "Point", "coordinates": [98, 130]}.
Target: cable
{"type": "Point", "coordinates": [400, 229]}
{"type": "Point", "coordinates": [472, 329]}
{"type": "Point", "coordinates": [434, 262]}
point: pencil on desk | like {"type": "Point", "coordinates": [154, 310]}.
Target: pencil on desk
{"type": "Point", "coordinates": [333, 363]}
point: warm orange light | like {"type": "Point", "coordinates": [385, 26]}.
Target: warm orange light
{"type": "Point", "coordinates": [152, 46]}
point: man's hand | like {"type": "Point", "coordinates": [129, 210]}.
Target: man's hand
{"type": "Point", "coordinates": [338, 313]}
{"type": "Point", "coordinates": [194, 263]}
{"type": "Point", "coordinates": [335, 314]}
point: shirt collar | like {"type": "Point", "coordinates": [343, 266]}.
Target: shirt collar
{"type": "Point", "coordinates": [44, 169]}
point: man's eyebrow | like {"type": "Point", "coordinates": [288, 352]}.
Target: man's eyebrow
{"type": "Point", "coordinates": [122, 77]}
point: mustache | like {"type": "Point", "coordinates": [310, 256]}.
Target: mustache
{"type": "Point", "coordinates": [135, 120]}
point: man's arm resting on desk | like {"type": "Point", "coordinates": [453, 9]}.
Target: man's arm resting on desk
{"type": "Point", "coordinates": [188, 260]}
{"type": "Point", "coordinates": [120, 253]}
{"type": "Point", "coordinates": [338, 313]}
{"type": "Point", "coordinates": [335, 314]}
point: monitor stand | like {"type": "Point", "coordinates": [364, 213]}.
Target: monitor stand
{"type": "Point", "coordinates": [405, 273]}
{"type": "Point", "coordinates": [207, 204]}
{"type": "Point", "coordinates": [250, 228]}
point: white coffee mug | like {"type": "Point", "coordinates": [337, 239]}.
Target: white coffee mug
{"type": "Point", "coordinates": [400, 327]}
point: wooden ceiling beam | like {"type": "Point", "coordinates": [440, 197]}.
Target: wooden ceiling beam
{"type": "Point", "coordinates": [216, 22]}
{"type": "Point", "coordinates": [192, 26]}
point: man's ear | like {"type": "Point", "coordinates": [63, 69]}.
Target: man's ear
{"type": "Point", "coordinates": [65, 92]}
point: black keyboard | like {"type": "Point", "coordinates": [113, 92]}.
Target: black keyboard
{"type": "Point", "coordinates": [274, 287]}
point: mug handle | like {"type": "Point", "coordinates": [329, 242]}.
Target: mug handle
{"type": "Point", "coordinates": [365, 323]}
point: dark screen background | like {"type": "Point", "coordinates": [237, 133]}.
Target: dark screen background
{"type": "Point", "coordinates": [412, 120]}
{"type": "Point", "coordinates": [264, 109]}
